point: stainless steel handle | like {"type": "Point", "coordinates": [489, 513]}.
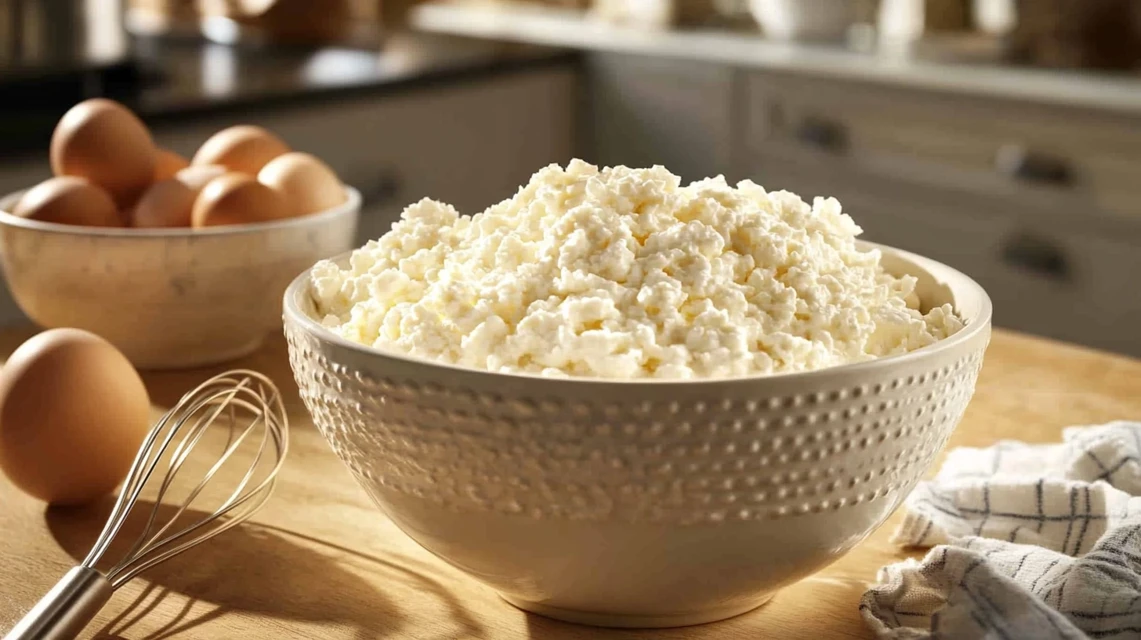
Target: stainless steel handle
{"type": "Point", "coordinates": [383, 189]}
{"type": "Point", "coordinates": [66, 609]}
{"type": "Point", "coordinates": [1020, 163]}
{"type": "Point", "coordinates": [825, 135]}
{"type": "Point", "coordinates": [1038, 256]}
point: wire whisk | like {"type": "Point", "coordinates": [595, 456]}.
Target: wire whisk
{"type": "Point", "coordinates": [252, 406]}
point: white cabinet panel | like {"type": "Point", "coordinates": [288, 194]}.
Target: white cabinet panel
{"type": "Point", "coordinates": [1007, 150]}
{"type": "Point", "coordinates": [1056, 241]}
{"type": "Point", "coordinates": [21, 173]}
{"type": "Point", "coordinates": [914, 220]}
{"type": "Point", "coordinates": [17, 174]}
{"type": "Point", "coordinates": [645, 111]}
{"type": "Point", "coordinates": [1067, 284]}
{"type": "Point", "coordinates": [470, 144]}
{"type": "Point", "coordinates": [1060, 281]}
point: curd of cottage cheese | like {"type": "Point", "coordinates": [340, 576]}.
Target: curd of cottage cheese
{"type": "Point", "coordinates": [625, 273]}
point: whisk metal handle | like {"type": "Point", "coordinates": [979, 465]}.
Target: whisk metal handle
{"type": "Point", "coordinates": [66, 609]}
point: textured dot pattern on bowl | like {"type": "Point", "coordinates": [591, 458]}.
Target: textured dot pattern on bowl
{"type": "Point", "coordinates": [639, 503]}
{"type": "Point", "coordinates": [636, 459]}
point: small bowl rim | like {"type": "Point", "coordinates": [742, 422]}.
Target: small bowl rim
{"type": "Point", "coordinates": [352, 203]}
{"type": "Point", "coordinates": [982, 323]}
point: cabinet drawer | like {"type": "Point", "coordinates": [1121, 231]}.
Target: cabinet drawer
{"type": "Point", "coordinates": [1069, 286]}
{"type": "Point", "coordinates": [1057, 281]}
{"type": "Point", "coordinates": [997, 148]}
{"type": "Point", "coordinates": [908, 218]}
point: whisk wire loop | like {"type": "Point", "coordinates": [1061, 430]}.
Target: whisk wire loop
{"type": "Point", "coordinates": [235, 393]}
{"type": "Point", "coordinates": [255, 414]}
{"type": "Point", "coordinates": [177, 459]}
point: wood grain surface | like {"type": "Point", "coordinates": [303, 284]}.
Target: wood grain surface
{"type": "Point", "coordinates": [322, 562]}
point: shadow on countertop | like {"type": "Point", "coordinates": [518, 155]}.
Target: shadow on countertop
{"type": "Point", "coordinates": [254, 569]}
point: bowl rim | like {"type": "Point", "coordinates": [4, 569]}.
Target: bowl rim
{"type": "Point", "coordinates": [980, 324]}
{"type": "Point", "coordinates": [7, 219]}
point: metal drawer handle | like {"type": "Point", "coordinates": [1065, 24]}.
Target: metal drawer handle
{"type": "Point", "coordinates": [825, 135]}
{"type": "Point", "coordinates": [383, 190]}
{"type": "Point", "coordinates": [1020, 163]}
{"type": "Point", "coordinates": [1038, 256]}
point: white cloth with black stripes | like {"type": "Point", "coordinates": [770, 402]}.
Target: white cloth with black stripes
{"type": "Point", "coordinates": [1031, 541]}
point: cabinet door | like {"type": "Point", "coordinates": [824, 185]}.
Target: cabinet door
{"type": "Point", "coordinates": [19, 174]}
{"type": "Point", "coordinates": [1059, 281]}
{"type": "Point", "coordinates": [648, 110]}
{"type": "Point", "coordinates": [24, 172]}
{"type": "Point", "coordinates": [469, 144]}
{"type": "Point", "coordinates": [914, 220]}
{"type": "Point", "coordinates": [1018, 151]}
{"type": "Point", "coordinates": [1067, 284]}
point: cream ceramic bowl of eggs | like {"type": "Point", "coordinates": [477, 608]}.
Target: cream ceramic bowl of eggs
{"type": "Point", "coordinates": [176, 262]}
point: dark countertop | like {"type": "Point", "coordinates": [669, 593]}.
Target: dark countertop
{"type": "Point", "coordinates": [168, 81]}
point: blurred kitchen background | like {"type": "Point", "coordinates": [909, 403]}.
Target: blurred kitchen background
{"type": "Point", "coordinates": [1000, 136]}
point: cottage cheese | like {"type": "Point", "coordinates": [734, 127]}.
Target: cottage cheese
{"type": "Point", "coordinates": [625, 273]}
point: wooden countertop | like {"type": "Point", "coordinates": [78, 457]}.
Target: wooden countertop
{"type": "Point", "coordinates": [321, 561]}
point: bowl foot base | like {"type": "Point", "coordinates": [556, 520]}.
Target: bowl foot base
{"type": "Point", "coordinates": [619, 620]}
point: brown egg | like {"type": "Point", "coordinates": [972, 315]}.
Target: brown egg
{"type": "Point", "coordinates": [73, 412]}
{"type": "Point", "coordinates": [104, 142]}
{"type": "Point", "coordinates": [168, 163]}
{"type": "Point", "coordinates": [169, 203]}
{"type": "Point", "coordinates": [236, 198]}
{"type": "Point", "coordinates": [306, 183]}
{"type": "Point", "coordinates": [243, 148]}
{"type": "Point", "coordinates": [197, 175]}
{"type": "Point", "coordinates": [166, 204]}
{"type": "Point", "coordinates": [69, 200]}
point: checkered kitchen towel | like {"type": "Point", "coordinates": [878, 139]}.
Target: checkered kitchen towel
{"type": "Point", "coordinates": [1040, 542]}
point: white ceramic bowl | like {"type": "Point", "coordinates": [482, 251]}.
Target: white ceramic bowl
{"type": "Point", "coordinates": [167, 298]}
{"type": "Point", "coordinates": [640, 504]}
{"type": "Point", "coordinates": [824, 20]}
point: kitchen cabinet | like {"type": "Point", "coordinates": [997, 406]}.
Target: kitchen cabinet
{"type": "Point", "coordinates": [917, 220]}
{"type": "Point", "coordinates": [1060, 281]}
{"type": "Point", "coordinates": [1005, 149]}
{"type": "Point", "coordinates": [17, 174]}
{"type": "Point", "coordinates": [643, 110]}
{"type": "Point", "coordinates": [1035, 203]}
{"type": "Point", "coordinates": [1022, 178]}
{"type": "Point", "coordinates": [469, 143]}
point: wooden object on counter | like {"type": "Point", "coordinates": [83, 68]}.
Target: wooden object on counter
{"type": "Point", "coordinates": [322, 561]}
{"type": "Point", "coordinates": [286, 22]}
{"type": "Point", "coordinates": [1078, 34]}
{"type": "Point", "coordinates": [159, 17]}
{"type": "Point", "coordinates": [297, 21]}
{"type": "Point", "coordinates": [392, 15]}
{"type": "Point", "coordinates": [654, 14]}
{"type": "Point", "coordinates": [904, 23]}
{"type": "Point", "coordinates": [915, 19]}
{"type": "Point", "coordinates": [274, 21]}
